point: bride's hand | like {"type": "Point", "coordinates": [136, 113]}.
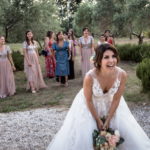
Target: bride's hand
{"type": "Point", "coordinates": [100, 124]}
{"type": "Point", "coordinates": [106, 124]}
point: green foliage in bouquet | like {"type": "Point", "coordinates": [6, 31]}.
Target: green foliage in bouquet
{"type": "Point", "coordinates": [18, 60]}
{"type": "Point", "coordinates": [143, 73]}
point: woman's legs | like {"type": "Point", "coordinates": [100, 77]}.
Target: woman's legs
{"type": "Point", "coordinates": [66, 81]}
{"type": "Point", "coordinates": [59, 80]}
{"type": "Point", "coordinates": [32, 87]}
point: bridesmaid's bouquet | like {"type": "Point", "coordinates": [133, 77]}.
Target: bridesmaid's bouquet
{"type": "Point", "coordinates": [107, 139]}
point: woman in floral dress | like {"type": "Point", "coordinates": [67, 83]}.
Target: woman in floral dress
{"type": "Point", "coordinates": [50, 62]}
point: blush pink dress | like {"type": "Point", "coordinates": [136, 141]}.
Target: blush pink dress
{"type": "Point", "coordinates": [33, 73]}
{"type": "Point", "coordinates": [86, 48]}
{"type": "Point", "coordinates": [7, 82]}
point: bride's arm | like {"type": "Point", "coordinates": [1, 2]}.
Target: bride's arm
{"type": "Point", "coordinates": [87, 87]}
{"type": "Point", "coordinates": [116, 99]}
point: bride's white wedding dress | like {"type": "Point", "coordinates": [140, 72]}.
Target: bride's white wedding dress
{"type": "Point", "coordinates": [76, 131]}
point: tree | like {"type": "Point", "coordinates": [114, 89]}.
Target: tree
{"type": "Point", "coordinates": [11, 14]}
{"type": "Point", "coordinates": [138, 16]}
{"type": "Point", "coordinates": [67, 8]}
{"type": "Point", "coordinates": [20, 15]}
{"type": "Point", "coordinates": [119, 26]}
{"type": "Point", "coordinates": [103, 14]}
{"type": "Point", "coordinates": [83, 17]}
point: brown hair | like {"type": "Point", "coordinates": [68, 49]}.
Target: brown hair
{"type": "Point", "coordinates": [100, 52]}
{"type": "Point", "coordinates": [57, 39]}
{"type": "Point", "coordinates": [27, 40]}
{"type": "Point", "coordinates": [71, 36]}
{"type": "Point", "coordinates": [49, 34]}
{"type": "Point", "coordinates": [85, 28]}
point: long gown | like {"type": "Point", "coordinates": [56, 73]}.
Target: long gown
{"type": "Point", "coordinates": [33, 73]}
{"type": "Point", "coordinates": [7, 82]}
{"type": "Point", "coordinates": [76, 131]}
{"type": "Point", "coordinates": [50, 63]}
{"type": "Point", "coordinates": [71, 61]}
{"type": "Point", "coordinates": [86, 49]}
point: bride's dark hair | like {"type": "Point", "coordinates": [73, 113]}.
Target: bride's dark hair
{"type": "Point", "coordinates": [100, 51]}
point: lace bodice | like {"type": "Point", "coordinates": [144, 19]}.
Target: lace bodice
{"type": "Point", "coordinates": [98, 92]}
{"type": "Point", "coordinates": [102, 101]}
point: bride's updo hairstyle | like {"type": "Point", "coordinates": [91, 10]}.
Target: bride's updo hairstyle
{"type": "Point", "coordinates": [99, 54]}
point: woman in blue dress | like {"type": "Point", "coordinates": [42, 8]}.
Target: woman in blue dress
{"type": "Point", "coordinates": [61, 48]}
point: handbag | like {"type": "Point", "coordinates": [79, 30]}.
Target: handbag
{"type": "Point", "coordinates": [43, 52]}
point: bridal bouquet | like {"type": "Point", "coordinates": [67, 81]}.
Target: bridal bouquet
{"type": "Point", "coordinates": [106, 140]}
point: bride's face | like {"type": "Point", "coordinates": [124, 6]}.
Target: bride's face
{"type": "Point", "coordinates": [109, 60]}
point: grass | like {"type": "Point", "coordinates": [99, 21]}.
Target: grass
{"type": "Point", "coordinates": [54, 95]}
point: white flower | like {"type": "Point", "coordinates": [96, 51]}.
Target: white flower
{"type": "Point", "coordinates": [108, 135]}
{"type": "Point", "coordinates": [117, 133]}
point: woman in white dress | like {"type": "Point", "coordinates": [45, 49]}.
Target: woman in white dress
{"type": "Point", "coordinates": [101, 96]}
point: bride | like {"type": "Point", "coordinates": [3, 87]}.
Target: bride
{"type": "Point", "coordinates": [101, 96]}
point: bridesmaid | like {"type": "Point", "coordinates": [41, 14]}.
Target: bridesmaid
{"type": "Point", "coordinates": [73, 43]}
{"type": "Point", "coordinates": [109, 37]}
{"type": "Point", "coordinates": [86, 44]}
{"type": "Point", "coordinates": [71, 60]}
{"type": "Point", "coordinates": [72, 37]}
{"type": "Point", "coordinates": [50, 62]}
{"type": "Point", "coordinates": [7, 83]}
{"type": "Point", "coordinates": [31, 64]}
{"type": "Point", "coordinates": [62, 50]}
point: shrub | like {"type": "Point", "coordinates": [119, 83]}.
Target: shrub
{"type": "Point", "coordinates": [143, 73]}
{"type": "Point", "coordinates": [134, 52]}
{"type": "Point", "coordinates": [18, 60]}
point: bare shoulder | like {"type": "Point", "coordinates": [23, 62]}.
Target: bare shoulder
{"type": "Point", "coordinates": [88, 78]}
{"type": "Point", "coordinates": [123, 73]}
{"type": "Point", "coordinates": [46, 38]}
